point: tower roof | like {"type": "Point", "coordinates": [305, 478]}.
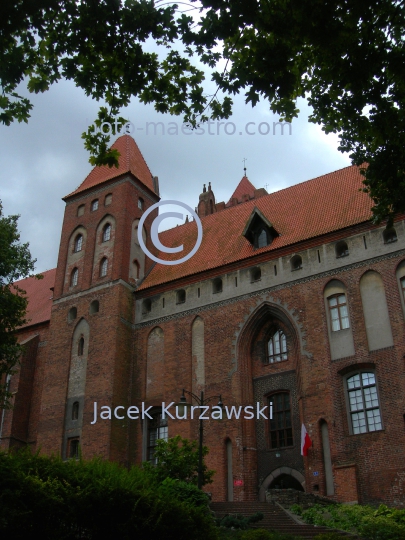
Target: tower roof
{"type": "Point", "coordinates": [131, 160]}
{"type": "Point", "coordinates": [245, 187]}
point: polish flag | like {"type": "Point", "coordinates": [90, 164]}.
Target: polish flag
{"type": "Point", "coordinates": [305, 441]}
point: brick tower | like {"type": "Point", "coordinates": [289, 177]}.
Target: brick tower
{"type": "Point", "coordinates": [100, 262]}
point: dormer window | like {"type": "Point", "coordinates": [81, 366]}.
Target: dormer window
{"type": "Point", "coordinates": [259, 231]}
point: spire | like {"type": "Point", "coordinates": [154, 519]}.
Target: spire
{"type": "Point", "coordinates": [131, 161]}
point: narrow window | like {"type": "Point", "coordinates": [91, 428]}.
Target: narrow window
{"type": "Point", "coordinates": [94, 205]}
{"type": "Point", "coordinates": [80, 347]}
{"type": "Point", "coordinates": [403, 287]}
{"type": "Point", "coordinates": [137, 267]}
{"type": "Point", "coordinates": [73, 448]}
{"type": "Point", "coordinates": [157, 429]}
{"type": "Point", "coordinates": [74, 277]}
{"type": "Point", "coordinates": [319, 256]}
{"type": "Point", "coordinates": [365, 243]}
{"type": "Point", "coordinates": [75, 410]}
{"type": "Point", "coordinates": [236, 281]}
{"type": "Point", "coordinates": [364, 405]}
{"type": "Point", "coordinates": [277, 347]}
{"type": "Point", "coordinates": [140, 203]}
{"type": "Point", "coordinates": [281, 434]}
{"type": "Point", "coordinates": [275, 269]}
{"type": "Point", "coordinates": [78, 243]}
{"type": "Point", "coordinates": [80, 210]}
{"type": "Point", "coordinates": [103, 267]}
{"type": "Point", "coordinates": [108, 199]}
{"type": "Point", "coordinates": [198, 292]}
{"type": "Point", "coordinates": [339, 316]}
{"type": "Point", "coordinates": [106, 232]}
{"type": "Point", "coordinates": [163, 302]}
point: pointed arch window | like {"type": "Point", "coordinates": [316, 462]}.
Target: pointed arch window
{"type": "Point", "coordinates": [281, 433]}
{"type": "Point", "coordinates": [277, 347]}
{"type": "Point", "coordinates": [74, 277]}
{"type": "Point", "coordinates": [75, 410]}
{"type": "Point", "coordinates": [78, 243]}
{"type": "Point", "coordinates": [106, 232]}
{"type": "Point", "coordinates": [80, 347]}
{"type": "Point", "coordinates": [103, 267]}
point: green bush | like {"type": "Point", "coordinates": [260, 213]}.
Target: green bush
{"type": "Point", "coordinates": [296, 509]}
{"type": "Point", "coordinates": [46, 497]}
{"type": "Point", "coordinates": [257, 534]}
{"type": "Point", "coordinates": [381, 528]}
{"type": "Point", "coordinates": [238, 521]}
{"type": "Point", "coordinates": [328, 536]}
{"type": "Point", "coordinates": [183, 491]}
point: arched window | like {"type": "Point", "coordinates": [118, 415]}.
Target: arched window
{"type": "Point", "coordinates": [80, 210]}
{"type": "Point", "coordinates": [341, 249]}
{"type": "Point", "coordinates": [73, 447]}
{"type": "Point", "coordinates": [180, 296]}
{"type": "Point", "coordinates": [94, 307]}
{"type": "Point", "coordinates": [74, 277]}
{"type": "Point", "coordinates": [140, 203]}
{"type": "Point", "coordinates": [80, 347]}
{"type": "Point", "coordinates": [106, 232]}
{"type": "Point", "coordinates": [94, 205]}
{"type": "Point", "coordinates": [281, 433]}
{"type": "Point", "coordinates": [78, 243]}
{"type": "Point", "coordinates": [75, 410]}
{"type": "Point", "coordinates": [137, 267]}
{"type": "Point", "coordinates": [339, 316]}
{"type": "Point", "coordinates": [363, 403]}
{"type": "Point", "coordinates": [390, 235]}
{"type": "Point", "coordinates": [103, 267]}
{"type": "Point", "coordinates": [277, 347]}
{"type": "Point", "coordinates": [296, 263]}
{"type": "Point", "coordinates": [217, 285]}
{"type": "Point", "coordinates": [108, 199]}
{"type": "Point", "coordinates": [72, 314]}
{"type": "Point", "coordinates": [157, 429]}
{"type": "Point", "coordinates": [402, 281]}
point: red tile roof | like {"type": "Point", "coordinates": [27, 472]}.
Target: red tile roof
{"type": "Point", "coordinates": [309, 209]}
{"type": "Point", "coordinates": [39, 297]}
{"type": "Point", "coordinates": [131, 160]}
{"type": "Point", "coordinates": [245, 187]}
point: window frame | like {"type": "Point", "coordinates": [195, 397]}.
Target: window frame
{"type": "Point", "coordinates": [141, 203]}
{"type": "Point", "coordinates": [69, 453]}
{"type": "Point", "coordinates": [74, 277]}
{"type": "Point", "coordinates": [284, 428]}
{"type": "Point", "coordinates": [270, 339]}
{"type": "Point", "coordinates": [162, 426]}
{"type": "Point", "coordinates": [350, 412]}
{"type": "Point", "coordinates": [103, 267]}
{"type": "Point", "coordinates": [78, 244]}
{"type": "Point", "coordinates": [94, 205]}
{"type": "Point", "coordinates": [107, 229]}
{"type": "Point", "coordinates": [338, 306]}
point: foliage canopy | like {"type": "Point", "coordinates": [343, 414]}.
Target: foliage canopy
{"type": "Point", "coordinates": [15, 264]}
{"type": "Point", "coordinates": [345, 56]}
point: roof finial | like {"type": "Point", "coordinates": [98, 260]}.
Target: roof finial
{"type": "Point", "coordinates": [204, 189]}
{"type": "Point", "coordinates": [244, 167]}
{"type": "Point", "coordinates": [209, 186]}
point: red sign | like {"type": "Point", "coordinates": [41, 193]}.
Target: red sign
{"type": "Point", "coordinates": [238, 482]}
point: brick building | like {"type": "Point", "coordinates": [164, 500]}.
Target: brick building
{"type": "Point", "coordinates": [294, 298]}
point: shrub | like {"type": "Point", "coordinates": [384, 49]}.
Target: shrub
{"type": "Point", "coordinates": [296, 509]}
{"type": "Point", "coordinates": [238, 521]}
{"type": "Point", "coordinates": [382, 528]}
{"type": "Point", "coordinates": [46, 497]}
{"type": "Point", "coordinates": [183, 491]}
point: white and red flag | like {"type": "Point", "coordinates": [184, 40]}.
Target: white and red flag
{"type": "Point", "coordinates": [305, 441]}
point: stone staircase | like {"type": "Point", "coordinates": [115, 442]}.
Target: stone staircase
{"type": "Point", "coordinates": [275, 518]}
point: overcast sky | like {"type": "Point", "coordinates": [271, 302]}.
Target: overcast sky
{"type": "Point", "coordinates": [45, 159]}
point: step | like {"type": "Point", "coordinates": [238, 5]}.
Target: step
{"type": "Point", "coordinates": [275, 518]}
